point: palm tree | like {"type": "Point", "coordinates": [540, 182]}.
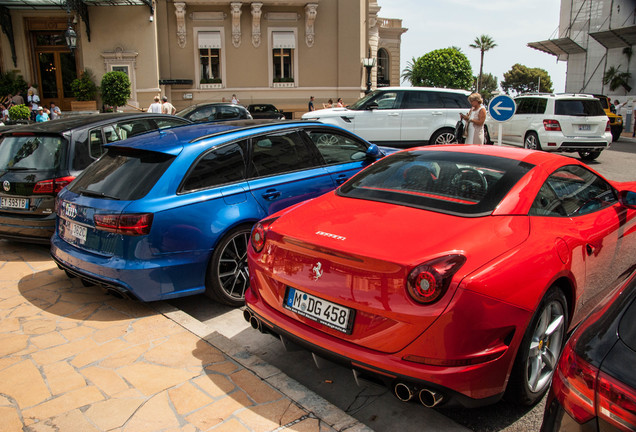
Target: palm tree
{"type": "Point", "coordinates": [615, 78]}
{"type": "Point", "coordinates": [483, 43]}
{"type": "Point", "coordinates": [407, 73]}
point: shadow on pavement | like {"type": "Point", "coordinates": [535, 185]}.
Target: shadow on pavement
{"type": "Point", "coordinates": [15, 251]}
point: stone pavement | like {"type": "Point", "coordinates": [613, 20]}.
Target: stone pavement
{"type": "Point", "coordinates": [75, 359]}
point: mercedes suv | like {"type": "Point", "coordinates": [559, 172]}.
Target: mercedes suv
{"type": "Point", "coordinates": [399, 116]}
{"type": "Point", "coordinates": [556, 122]}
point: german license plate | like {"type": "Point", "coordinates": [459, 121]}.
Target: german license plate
{"type": "Point", "coordinates": [77, 231]}
{"type": "Point", "coordinates": [584, 127]}
{"type": "Point", "coordinates": [325, 312]}
{"type": "Point", "coordinates": [16, 203]}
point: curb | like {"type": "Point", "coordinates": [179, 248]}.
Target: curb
{"type": "Point", "coordinates": [301, 395]}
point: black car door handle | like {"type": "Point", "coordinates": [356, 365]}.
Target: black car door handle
{"type": "Point", "coordinates": [271, 194]}
{"type": "Point", "coordinates": [341, 179]}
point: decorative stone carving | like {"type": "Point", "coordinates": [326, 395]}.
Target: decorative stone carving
{"type": "Point", "coordinates": [311, 11]}
{"type": "Point", "coordinates": [256, 24]}
{"type": "Point", "coordinates": [236, 23]}
{"type": "Point", "coordinates": [180, 10]}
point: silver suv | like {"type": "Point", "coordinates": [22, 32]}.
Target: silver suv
{"type": "Point", "coordinates": [400, 116]}
{"type": "Point", "coordinates": [556, 122]}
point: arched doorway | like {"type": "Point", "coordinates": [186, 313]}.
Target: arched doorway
{"type": "Point", "coordinates": [384, 71]}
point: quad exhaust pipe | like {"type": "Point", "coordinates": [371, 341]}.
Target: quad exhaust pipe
{"type": "Point", "coordinates": [427, 397]}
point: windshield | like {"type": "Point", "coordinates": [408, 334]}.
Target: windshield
{"type": "Point", "coordinates": [122, 174]}
{"type": "Point", "coordinates": [360, 103]}
{"type": "Point", "coordinates": [31, 152]}
{"type": "Point", "coordinates": [465, 184]}
{"type": "Point", "coordinates": [579, 107]}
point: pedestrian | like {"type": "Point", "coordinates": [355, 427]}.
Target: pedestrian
{"type": "Point", "coordinates": [167, 107]}
{"type": "Point", "coordinates": [5, 113]}
{"type": "Point", "coordinates": [155, 107]}
{"type": "Point", "coordinates": [235, 100]}
{"type": "Point", "coordinates": [475, 120]}
{"type": "Point", "coordinates": [32, 97]}
{"type": "Point", "coordinates": [17, 98]}
{"type": "Point", "coordinates": [339, 103]}
{"type": "Point", "coordinates": [311, 106]}
{"type": "Point", "coordinates": [329, 104]}
{"type": "Point", "coordinates": [55, 111]}
{"type": "Point", "coordinates": [42, 116]}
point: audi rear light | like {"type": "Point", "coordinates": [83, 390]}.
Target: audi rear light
{"type": "Point", "coordinates": [259, 234]}
{"type": "Point", "coordinates": [616, 403]}
{"type": "Point", "coordinates": [52, 186]}
{"type": "Point", "coordinates": [607, 127]}
{"type": "Point", "coordinates": [574, 384]}
{"type": "Point", "coordinates": [133, 224]}
{"type": "Point", "coordinates": [552, 125]}
{"type": "Point", "coordinates": [429, 281]}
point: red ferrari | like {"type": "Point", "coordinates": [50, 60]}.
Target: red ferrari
{"type": "Point", "coordinates": [450, 273]}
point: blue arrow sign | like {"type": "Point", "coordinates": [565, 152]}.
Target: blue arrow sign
{"type": "Point", "coordinates": [501, 108]}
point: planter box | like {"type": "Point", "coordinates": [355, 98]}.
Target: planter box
{"type": "Point", "coordinates": [210, 86]}
{"type": "Point", "coordinates": [283, 84]}
{"type": "Point", "coordinates": [83, 105]}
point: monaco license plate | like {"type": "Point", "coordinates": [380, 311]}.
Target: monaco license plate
{"type": "Point", "coordinates": [332, 315]}
{"type": "Point", "coordinates": [77, 231]}
{"type": "Point", "coordinates": [584, 127]}
{"type": "Point", "coordinates": [16, 203]}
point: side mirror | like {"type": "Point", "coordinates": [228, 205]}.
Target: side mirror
{"type": "Point", "coordinates": [373, 152]}
{"type": "Point", "coordinates": [627, 198]}
{"type": "Point", "coordinates": [372, 106]}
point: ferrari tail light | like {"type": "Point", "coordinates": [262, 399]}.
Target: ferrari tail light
{"type": "Point", "coordinates": [429, 281]}
{"type": "Point", "coordinates": [134, 224]}
{"type": "Point", "coordinates": [607, 127]}
{"type": "Point", "coordinates": [552, 125]}
{"type": "Point", "coordinates": [259, 234]}
{"type": "Point", "coordinates": [52, 186]}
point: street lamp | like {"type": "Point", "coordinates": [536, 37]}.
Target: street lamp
{"type": "Point", "coordinates": [368, 63]}
{"type": "Point", "coordinates": [71, 38]}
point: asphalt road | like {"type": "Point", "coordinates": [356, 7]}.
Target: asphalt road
{"type": "Point", "coordinates": [375, 405]}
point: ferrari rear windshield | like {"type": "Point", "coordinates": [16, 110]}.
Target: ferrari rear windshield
{"type": "Point", "coordinates": [465, 184]}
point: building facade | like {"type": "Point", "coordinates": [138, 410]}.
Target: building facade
{"type": "Point", "coordinates": [193, 51]}
{"type": "Point", "coordinates": [595, 37]}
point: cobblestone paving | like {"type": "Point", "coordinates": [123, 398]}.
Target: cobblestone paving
{"type": "Point", "coordinates": [75, 359]}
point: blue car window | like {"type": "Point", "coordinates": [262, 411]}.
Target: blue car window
{"type": "Point", "coordinates": [280, 153]}
{"type": "Point", "coordinates": [336, 148]}
{"type": "Point", "coordinates": [219, 166]}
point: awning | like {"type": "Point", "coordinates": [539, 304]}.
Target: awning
{"type": "Point", "coordinates": [283, 40]}
{"type": "Point", "coordinates": [616, 38]}
{"type": "Point", "coordinates": [558, 47]}
{"type": "Point", "coordinates": [210, 40]}
{"type": "Point", "coordinates": [61, 4]}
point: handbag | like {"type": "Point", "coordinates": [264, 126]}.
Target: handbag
{"type": "Point", "coordinates": [460, 132]}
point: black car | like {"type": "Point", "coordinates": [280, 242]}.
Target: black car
{"type": "Point", "coordinates": [211, 112]}
{"type": "Point", "coordinates": [265, 111]}
{"type": "Point", "coordinates": [39, 159]}
{"type": "Point", "coordinates": [594, 385]}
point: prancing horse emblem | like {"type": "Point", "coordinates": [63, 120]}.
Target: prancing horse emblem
{"type": "Point", "coordinates": [317, 271]}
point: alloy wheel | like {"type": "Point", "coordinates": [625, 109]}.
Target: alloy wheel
{"type": "Point", "coordinates": [545, 346]}
{"type": "Point", "coordinates": [232, 271]}
{"type": "Point", "coordinates": [445, 138]}
{"type": "Point", "coordinates": [532, 142]}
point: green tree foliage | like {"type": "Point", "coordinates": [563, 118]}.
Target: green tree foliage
{"type": "Point", "coordinates": [483, 43]}
{"type": "Point", "coordinates": [489, 85]}
{"type": "Point", "coordinates": [84, 87]}
{"type": "Point", "coordinates": [615, 79]}
{"type": "Point", "coordinates": [19, 112]}
{"type": "Point", "coordinates": [446, 67]}
{"type": "Point", "coordinates": [407, 73]}
{"type": "Point", "coordinates": [522, 79]}
{"type": "Point", "coordinates": [11, 82]}
{"type": "Point", "coordinates": [115, 88]}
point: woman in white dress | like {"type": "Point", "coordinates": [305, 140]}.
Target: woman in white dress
{"type": "Point", "coordinates": [475, 120]}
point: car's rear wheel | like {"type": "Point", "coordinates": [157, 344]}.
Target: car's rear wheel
{"type": "Point", "coordinates": [227, 277]}
{"type": "Point", "coordinates": [589, 155]}
{"type": "Point", "coordinates": [539, 351]}
{"type": "Point", "coordinates": [532, 141]}
{"type": "Point", "coordinates": [443, 136]}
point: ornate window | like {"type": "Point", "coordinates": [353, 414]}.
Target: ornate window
{"type": "Point", "coordinates": [384, 69]}
{"type": "Point", "coordinates": [210, 52]}
{"type": "Point", "coordinates": [283, 58]}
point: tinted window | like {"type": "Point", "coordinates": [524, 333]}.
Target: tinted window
{"type": "Point", "coordinates": [202, 114]}
{"type": "Point", "coordinates": [525, 106]}
{"type": "Point", "coordinates": [285, 152]}
{"type": "Point", "coordinates": [578, 107]}
{"type": "Point", "coordinates": [540, 106]}
{"type": "Point", "coordinates": [95, 143]}
{"type": "Point", "coordinates": [167, 122]}
{"type": "Point", "coordinates": [454, 100]}
{"type": "Point", "coordinates": [31, 152]}
{"type": "Point", "coordinates": [219, 166]}
{"type": "Point", "coordinates": [422, 99]}
{"type": "Point", "coordinates": [459, 183]}
{"type": "Point", "coordinates": [572, 191]}
{"type": "Point", "coordinates": [386, 100]}
{"type": "Point", "coordinates": [627, 329]}
{"type": "Point", "coordinates": [336, 148]}
{"type": "Point", "coordinates": [227, 112]}
{"type": "Point", "coordinates": [131, 128]}
{"type": "Point", "coordinates": [122, 174]}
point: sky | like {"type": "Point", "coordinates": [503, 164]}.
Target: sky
{"type": "Point", "coordinates": [510, 23]}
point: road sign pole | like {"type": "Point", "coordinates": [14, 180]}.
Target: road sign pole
{"type": "Point", "coordinates": [499, 132]}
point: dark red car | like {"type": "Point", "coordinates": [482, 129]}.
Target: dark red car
{"type": "Point", "coordinates": [449, 272]}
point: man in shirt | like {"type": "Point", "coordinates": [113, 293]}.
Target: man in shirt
{"type": "Point", "coordinates": [42, 116]}
{"type": "Point", "coordinates": [167, 107]}
{"type": "Point", "coordinates": [155, 107]}
{"type": "Point", "coordinates": [311, 104]}
{"type": "Point", "coordinates": [55, 111]}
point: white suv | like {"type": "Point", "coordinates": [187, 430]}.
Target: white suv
{"type": "Point", "coordinates": [400, 116]}
{"type": "Point", "coordinates": [556, 122]}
